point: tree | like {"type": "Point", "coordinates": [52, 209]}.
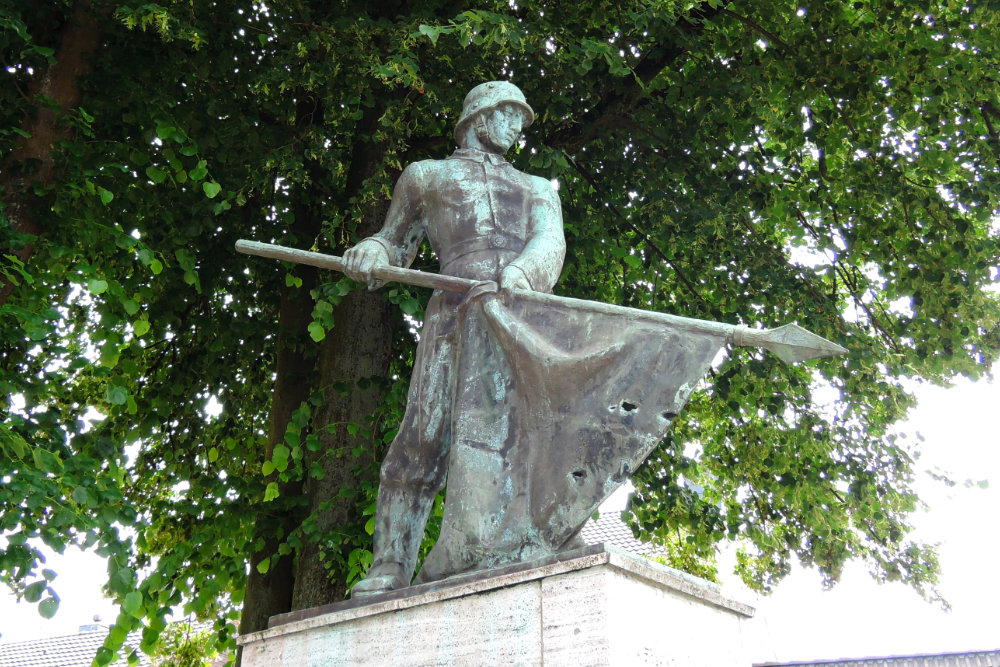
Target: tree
{"type": "Point", "coordinates": [833, 164]}
{"type": "Point", "coordinates": [183, 645]}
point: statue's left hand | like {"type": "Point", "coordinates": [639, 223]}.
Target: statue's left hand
{"type": "Point", "coordinates": [514, 278]}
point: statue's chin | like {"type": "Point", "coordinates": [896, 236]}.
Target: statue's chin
{"type": "Point", "coordinates": [493, 145]}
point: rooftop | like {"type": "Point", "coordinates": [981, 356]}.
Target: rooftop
{"type": "Point", "coordinates": [966, 659]}
{"type": "Point", "coordinates": [610, 529]}
{"type": "Point", "coordinates": [66, 651]}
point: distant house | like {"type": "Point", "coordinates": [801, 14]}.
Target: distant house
{"type": "Point", "coordinates": [968, 659]}
{"type": "Point", "coordinates": [75, 650]}
{"type": "Point", "coordinates": [610, 529]}
{"type": "Point", "coordinates": [66, 651]}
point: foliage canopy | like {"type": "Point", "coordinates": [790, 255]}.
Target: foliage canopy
{"type": "Point", "coordinates": [829, 163]}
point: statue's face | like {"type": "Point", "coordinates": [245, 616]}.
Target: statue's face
{"type": "Point", "coordinates": [502, 127]}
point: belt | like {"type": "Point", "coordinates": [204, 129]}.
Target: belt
{"type": "Point", "coordinates": [495, 242]}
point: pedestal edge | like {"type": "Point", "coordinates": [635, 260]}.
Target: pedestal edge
{"type": "Point", "coordinates": [472, 583]}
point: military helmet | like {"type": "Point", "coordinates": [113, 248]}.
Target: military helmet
{"type": "Point", "coordinates": [488, 96]}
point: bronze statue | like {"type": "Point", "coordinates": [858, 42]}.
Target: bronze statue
{"type": "Point", "coordinates": [533, 407]}
{"type": "Point", "coordinates": [486, 221]}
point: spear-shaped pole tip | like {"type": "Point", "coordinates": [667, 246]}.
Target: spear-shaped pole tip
{"type": "Point", "coordinates": [790, 343]}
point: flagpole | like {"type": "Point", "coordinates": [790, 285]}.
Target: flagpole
{"type": "Point", "coordinates": [791, 343]}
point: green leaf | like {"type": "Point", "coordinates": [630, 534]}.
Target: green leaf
{"type": "Point", "coordinates": [132, 604]}
{"type": "Point", "coordinates": [46, 461]}
{"type": "Point", "coordinates": [156, 174]}
{"type": "Point", "coordinates": [33, 592]}
{"type": "Point", "coordinates": [110, 354]}
{"type": "Point", "coordinates": [104, 656]}
{"type": "Point", "coordinates": [200, 171]}
{"type": "Point", "coordinates": [140, 327]}
{"type": "Point", "coordinates": [165, 132]}
{"type": "Point", "coordinates": [130, 306]}
{"type": "Point", "coordinates": [106, 195]}
{"type": "Point", "coordinates": [185, 259]}
{"type": "Point", "coordinates": [316, 331]}
{"type": "Point", "coordinates": [97, 286]}
{"type": "Point", "coordinates": [211, 189]}
{"type": "Point", "coordinates": [48, 53]}
{"type": "Point", "coordinates": [48, 607]}
{"type": "Point", "coordinates": [213, 455]}
{"type": "Point", "coordinates": [410, 306]}
{"type": "Point", "coordinates": [264, 565]}
{"type": "Point", "coordinates": [429, 32]}
{"type": "Point", "coordinates": [267, 468]}
{"type": "Point", "coordinates": [13, 444]}
{"type": "Point", "coordinates": [155, 266]}
{"type": "Point", "coordinates": [280, 457]}
{"type": "Point", "coordinates": [271, 492]}
{"type": "Point", "coordinates": [116, 395]}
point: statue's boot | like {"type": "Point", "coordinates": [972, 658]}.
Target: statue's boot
{"type": "Point", "coordinates": [381, 578]}
{"type": "Point", "coordinates": [400, 517]}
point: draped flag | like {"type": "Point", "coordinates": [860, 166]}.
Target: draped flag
{"type": "Point", "coordinates": [556, 404]}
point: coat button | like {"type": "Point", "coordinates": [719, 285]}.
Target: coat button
{"type": "Point", "coordinates": [498, 241]}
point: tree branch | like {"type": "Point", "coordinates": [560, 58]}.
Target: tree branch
{"type": "Point", "coordinates": [613, 105]}
{"type": "Point", "coordinates": [988, 109]}
{"type": "Point", "coordinates": [852, 288]}
{"type": "Point", "coordinates": [587, 176]}
{"type": "Point", "coordinates": [757, 28]}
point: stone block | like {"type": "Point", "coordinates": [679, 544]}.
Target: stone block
{"type": "Point", "coordinates": [594, 606]}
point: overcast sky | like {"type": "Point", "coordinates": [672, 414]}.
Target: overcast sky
{"type": "Point", "coordinates": [961, 427]}
{"type": "Point", "coordinates": [800, 621]}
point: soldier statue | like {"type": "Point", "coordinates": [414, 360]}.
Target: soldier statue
{"type": "Point", "coordinates": [486, 221]}
{"type": "Point", "coordinates": [534, 407]}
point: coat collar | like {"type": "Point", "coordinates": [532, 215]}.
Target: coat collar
{"type": "Point", "coordinates": [479, 156]}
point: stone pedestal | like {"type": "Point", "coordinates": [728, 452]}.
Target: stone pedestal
{"type": "Point", "coordinates": [594, 606]}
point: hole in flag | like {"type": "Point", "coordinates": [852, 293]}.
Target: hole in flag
{"type": "Point", "coordinates": [628, 407]}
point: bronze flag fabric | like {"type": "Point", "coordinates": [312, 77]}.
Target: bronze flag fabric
{"type": "Point", "coordinates": [555, 405]}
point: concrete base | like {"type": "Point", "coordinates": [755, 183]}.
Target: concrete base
{"type": "Point", "coordinates": [595, 606]}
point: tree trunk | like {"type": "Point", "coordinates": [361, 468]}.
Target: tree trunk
{"type": "Point", "coordinates": [359, 346]}
{"type": "Point", "coordinates": [270, 593]}
{"type": "Point", "coordinates": [32, 162]}
{"type": "Point", "coordinates": [362, 349]}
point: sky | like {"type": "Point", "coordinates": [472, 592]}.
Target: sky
{"type": "Point", "coordinates": [799, 621]}
{"type": "Point", "coordinates": [860, 618]}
